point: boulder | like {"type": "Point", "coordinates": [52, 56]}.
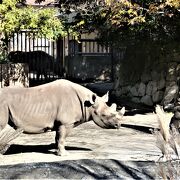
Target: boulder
{"type": "Point", "coordinates": [149, 88]}
{"type": "Point", "coordinates": [142, 89]}
{"type": "Point", "coordinates": [147, 100]}
{"type": "Point", "coordinates": [134, 91]}
{"type": "Point", "coordinates": [157, 96]}
{"type": "Point", "coordinates": [136, 100]}
{"type": "Point", "coordinates": [170, 94]}
{"type": "Point", "coordinates": [161, 84]}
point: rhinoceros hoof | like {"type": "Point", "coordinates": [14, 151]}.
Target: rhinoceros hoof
{"type": "Point", "coordinates": [62, 153]}
{"type": "Point", "coordinates": [4, 148]}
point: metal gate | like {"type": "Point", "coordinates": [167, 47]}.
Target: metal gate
{"type": "Point", "coordinates": [43, 56]}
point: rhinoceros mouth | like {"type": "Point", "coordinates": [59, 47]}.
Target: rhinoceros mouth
{"type": "Point", "coordinates": [99, 122]}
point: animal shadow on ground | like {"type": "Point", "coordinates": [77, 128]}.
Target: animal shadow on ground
{"type": "Point", "coordinates": [46, 149]}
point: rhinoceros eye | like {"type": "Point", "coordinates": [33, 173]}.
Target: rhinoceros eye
{"type": "Point", "coordinates": [108, 116]}
{"type": "Point", "coordinates": [95, 112]}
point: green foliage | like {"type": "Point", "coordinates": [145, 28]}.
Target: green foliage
{"type": "Point", "coordinates": [44, 21]}
{"type": "Point", "coordinates": [15, 17]}
{"type": "Point", "coordinates": [157, 20]}
{"type": "Point", "coordinates": [144, 18]}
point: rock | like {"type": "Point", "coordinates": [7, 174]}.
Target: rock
{"type": "Point", "coordinates": [161, 84]}
{"type": "Point", "coordinates": [170, 94]}
{"type": "Point", "coordinates": [177, 108]}
{"type": "Point", "coordinates": [147, 100]}
{"type": "Point", "coordinates": [177, 115]}
{"type": "Point", "coordinates": [125, 89]}
{"type": "Point", "coordinates": [171, 83]}
{"type": "Point", "coordinates": [134, 91]}
{"type": "Point", "coordinates": [135, 99]}
{"type": "Point", "coordinates": [154, 88]}
{"type": "Point", "coordinates": [175, 122]}
{"type": "Point", "coordinates": [149, 88]}
{"type": "Point", "coordinates": [157, 96]}
{"type": "Point", "coordinates": [142, 89]}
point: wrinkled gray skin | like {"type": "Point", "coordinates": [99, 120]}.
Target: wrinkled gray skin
{"type": "Point", "coordinates": [59, 105]}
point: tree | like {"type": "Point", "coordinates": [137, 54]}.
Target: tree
{"type": "Point", "coordinates": [154, 19]}
{"type": "Point", "coordinates": [42, 21]}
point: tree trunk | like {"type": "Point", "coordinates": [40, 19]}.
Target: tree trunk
{"type": "Point", "coordinates": [14, 75]}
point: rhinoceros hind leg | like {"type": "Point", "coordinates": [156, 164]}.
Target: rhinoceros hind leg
{"type": "Point", "coordinates": [4, 116]}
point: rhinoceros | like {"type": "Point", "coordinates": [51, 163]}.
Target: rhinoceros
{"type": "Point", "coordinates": [59, 105]}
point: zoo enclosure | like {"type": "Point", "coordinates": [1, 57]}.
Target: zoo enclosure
{"type": "Point", "coordinates": [47, 60]}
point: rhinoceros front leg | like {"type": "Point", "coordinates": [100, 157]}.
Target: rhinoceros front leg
{"type": "Point", "coordinates": [61, 134]}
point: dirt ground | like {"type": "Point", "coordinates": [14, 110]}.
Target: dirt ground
{"type": "Point", "coordinates": [94, 153]}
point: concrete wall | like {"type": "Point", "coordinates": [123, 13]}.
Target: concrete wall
{"type": "Point", "coordinates": [90, 67]}
{"type": "Point", "coordinates": [147, 73]}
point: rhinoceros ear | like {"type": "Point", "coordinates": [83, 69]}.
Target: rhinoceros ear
{"type": "Point", "coordinates": [91, 101]}
{"type": "Point", "coordinates": [105, 98]}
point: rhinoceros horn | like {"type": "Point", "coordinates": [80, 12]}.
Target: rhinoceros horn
{"type": "Point", "coordinates": [122, 111]}
{"type": "Point", "coordinates": [113, 107]}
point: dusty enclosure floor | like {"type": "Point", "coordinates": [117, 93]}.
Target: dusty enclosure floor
{"type": "Point", "coordinates": [93, 153]}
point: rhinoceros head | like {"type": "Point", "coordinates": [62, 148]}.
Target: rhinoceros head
{"type": "Point", "coordinates": [106, 116]}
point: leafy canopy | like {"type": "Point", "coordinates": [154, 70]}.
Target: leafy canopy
{"type": "Point", "coordinates": [154, 19]}
{"type": "Point", "coordinates": [45, 21]}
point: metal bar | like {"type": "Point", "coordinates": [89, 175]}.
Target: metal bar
{"type": "Point", "coordinates": [17, 40]}
{"type": "Point", "coordinates": [53, 63]}
{"type": "Point", "coordinates": [21, 41]}
{"type": "Point", "coordinates": [13, 41]}
{"type": "Point", "coordinates": [32, 59]}
{"type": "Point", "coordinates": [25, 41]}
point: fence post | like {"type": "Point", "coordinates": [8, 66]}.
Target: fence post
{"type": "Point", "coordinates": [60, 59]}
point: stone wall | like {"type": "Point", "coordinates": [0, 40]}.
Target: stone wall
{"type": "Point", "coordinates": [147, 73]}
{"type": "Point", "coordinates": [14, 75]}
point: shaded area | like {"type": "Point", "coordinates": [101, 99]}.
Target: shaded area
{"type": "Point", "coordinates": [139, 128]}
{"type": "Point", "coordinates": [80, 169]}
{"type": "Point", "coordinates": [46, 149]}
{"type": "Point", "coordinates": [132, 108]}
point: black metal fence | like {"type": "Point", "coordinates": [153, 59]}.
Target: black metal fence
{"type": "Point", "coordinates": [87, 47]}
{"type": "Point", "coordinates": [43, 56]}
